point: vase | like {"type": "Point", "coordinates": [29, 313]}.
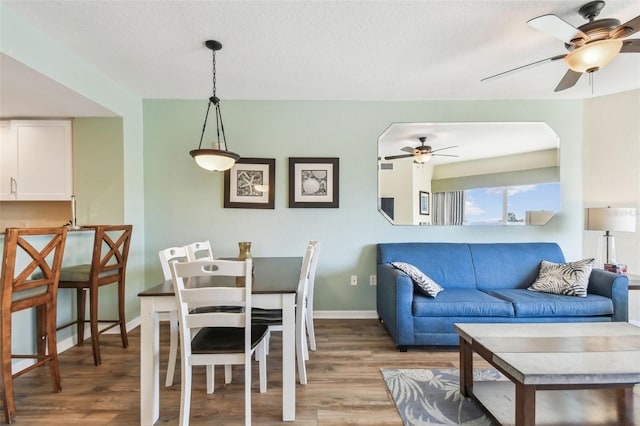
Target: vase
{"type": "Point", "coordinates": [244, 254]}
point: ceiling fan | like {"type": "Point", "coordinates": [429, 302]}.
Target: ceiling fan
{"type": "Point", "coordinates": [591, 46]}
{"type": "Point", "coordinates": [422, 153]}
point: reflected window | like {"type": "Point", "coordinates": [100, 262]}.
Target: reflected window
{"type": "Point", "coordinates": [509, 205]}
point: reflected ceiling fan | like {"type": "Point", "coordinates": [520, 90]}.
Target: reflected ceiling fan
{"type": "Point", "coordinates": [422, 153]}
{"type": "Point", "coordinates": [591, 46]}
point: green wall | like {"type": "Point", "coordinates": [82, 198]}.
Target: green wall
{"type": "Point", "coordinates": [183, 203]}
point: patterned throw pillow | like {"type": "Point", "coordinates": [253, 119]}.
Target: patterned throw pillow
{"type": "Point", "coordinates": [570, 279]}
{"type": "Point", "coordinates": [424, 283]}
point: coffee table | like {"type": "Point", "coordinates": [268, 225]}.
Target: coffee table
{"type": "Point", "coordinates": [552, 357]}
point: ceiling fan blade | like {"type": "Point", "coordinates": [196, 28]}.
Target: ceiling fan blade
{"type": "Point", "coordinates": [631, 46]}
{"type": "Point", "coordinates": [626, 29]}
{"type": "Point", "coordinates": [558, 28]}
{"type": "Point", "coordinates": [408, 149]}
{"type": "Point", "coordinates": [394, 157]}
{"type": "Point", "coordinates": [569, 80]}
{"type": "Point", "coordinates": [448, 147]}
{"type": "Point", "coordinates": [520, 68]}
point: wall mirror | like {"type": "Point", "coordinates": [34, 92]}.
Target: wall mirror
{"type": "Point", "coordinates": [485, 173]}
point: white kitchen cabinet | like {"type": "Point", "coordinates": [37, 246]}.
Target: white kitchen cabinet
{"type": "Point", "coordinates": [35, 160]}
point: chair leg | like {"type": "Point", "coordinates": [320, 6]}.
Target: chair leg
{"type": "Point", "coordinates": [185, 394]}
{"type": "Point", "coordinates": [121, 316]}
{"type": "Point", "coordinates": [54, 367]}
{"type": "Point", "coordinates": [93, 319]}
{"type": "Point", "coordinates": [9, 402]}
{"type": "Point", "coordinates": [173, 347]}
{"type": "Point", "coordinates": [41, 331]}
{"type": "Point", "coordinates": [247, 390]}
{"type": "Point", "coordinates": [228, 376]}
{"type": "Point", "coordinates": [261, 353]}
{"type": "Point", "coordinates": [211, 378]}
{"type": "Point", "coordinates": [301, 340]}
{"type": "Point", "coordinates": [80, 309]}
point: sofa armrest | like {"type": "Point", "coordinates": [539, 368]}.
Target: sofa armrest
{"type": "Point", "coordinates": [613, 286]}
{"type": "Point", "coordinates": [394, 301]}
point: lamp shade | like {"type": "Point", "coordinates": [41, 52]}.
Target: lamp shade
{"type": "Point", "coordinates": [214, 159]}
{"type": "Point", "coordinates": [593, 56]}
{"type": "Point", "coordinates": [610, 219]}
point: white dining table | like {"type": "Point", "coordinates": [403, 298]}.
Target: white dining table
{"type": "Point", "coordinates": [274, 287]}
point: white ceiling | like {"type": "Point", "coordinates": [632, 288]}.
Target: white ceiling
{"type": "Point", "coordinates": [321, 50]}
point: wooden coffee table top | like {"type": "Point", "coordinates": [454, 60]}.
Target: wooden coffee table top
{"type": "Point", "coordinates": [560, 353]}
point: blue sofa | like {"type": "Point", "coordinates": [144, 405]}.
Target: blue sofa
{"type": "Point", "coordinates": [483, 283]}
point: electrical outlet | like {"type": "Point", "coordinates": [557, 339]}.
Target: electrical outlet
{"type": "Point", "coordinates": [372, 280]}
{"type": "Point", "coordinates": [354, 280]}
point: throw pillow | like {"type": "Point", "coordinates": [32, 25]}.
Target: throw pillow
{"type": "Point", "coordinates": [570, 278]}
{"type": "Point", "coordinates": [423, 282]}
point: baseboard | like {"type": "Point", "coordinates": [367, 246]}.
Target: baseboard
{"type": "Point", "coordinates": [634, 322]}
{"type": "Point", "coordinates": [345, 314]}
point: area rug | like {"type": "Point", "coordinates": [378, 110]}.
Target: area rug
{"type": "Point", "coordinates": [432, 396]}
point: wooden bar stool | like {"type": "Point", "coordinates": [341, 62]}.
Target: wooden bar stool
{"type": "Point", "coordinates": [22, 258]}
{"type": "Point", "coordinates": [108, 266]}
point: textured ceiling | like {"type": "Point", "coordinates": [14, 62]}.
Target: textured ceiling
{"type": "Point", "coordinates": [328, 50]}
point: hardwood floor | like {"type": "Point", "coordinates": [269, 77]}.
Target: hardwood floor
{"type": "Point", "coordinates": [345, 385]}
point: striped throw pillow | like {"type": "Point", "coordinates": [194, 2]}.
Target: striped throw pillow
{"type": "Point", "coordinates": [423, 282]}
{"type": "Point", "coordinates": [570, 278]}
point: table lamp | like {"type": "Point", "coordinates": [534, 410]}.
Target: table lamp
{"type": "Point", "coordinates": [609, 219]}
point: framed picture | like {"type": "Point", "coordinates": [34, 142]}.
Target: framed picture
{"type": "Point", "coordinates": [424, 202]}
{"type": "Point", "coordinates": [250, 184]}
{"type": "Point", "coordinates": [313, 182]}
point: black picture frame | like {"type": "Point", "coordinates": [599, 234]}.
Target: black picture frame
{"type": "Point", "coordinates": [423, 202]}
{"type": "Point", "coordinates": [314, 182]}
{"type": "Point", "coordinates": [242, 184]}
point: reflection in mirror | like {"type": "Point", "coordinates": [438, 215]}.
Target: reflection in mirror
{"type": "Point", "coordinates": [472, 173]}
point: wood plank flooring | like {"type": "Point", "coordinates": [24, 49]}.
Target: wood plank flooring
{"type": "Point", "coordinates": [345, 385]}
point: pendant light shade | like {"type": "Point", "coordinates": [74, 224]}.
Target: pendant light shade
{"type": "Point", "coordinates": [218, 158]}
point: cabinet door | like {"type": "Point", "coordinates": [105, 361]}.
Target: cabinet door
{"type": "Point", "coordinates": [43, 159]}
{"type": "Point", "coordinates": [8, 165]}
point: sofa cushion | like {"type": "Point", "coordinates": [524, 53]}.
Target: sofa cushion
{"type": "Point", "coordinates": [510, 265]}
{"type": "Point", "coordinates": [456, 302]}
{"type": "Point", "coordinates": [570, 278]}
{"type": "Point", "coordinates": [423, 282]}
{"type": "Point", "coordinates": [537, 304]}
{"type": "Point", "coordinates": [448, 264]}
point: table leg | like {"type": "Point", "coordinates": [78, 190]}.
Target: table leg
{"type": "Point", "coordinates": [525, 405]}
{"type": "Point", "coordinates": [466, 368]}
{"type": "Point", "coordinates": [288, 357]}
{"type": "Point", "coordinates": [149, 363]}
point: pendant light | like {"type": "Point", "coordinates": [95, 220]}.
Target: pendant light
{"type": "Point", "coordinates": [218, 158]}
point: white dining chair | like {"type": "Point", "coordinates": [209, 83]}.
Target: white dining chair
{"type": "Point", "coordinates": [167, 256]}
{"type": "Point", "coordinates": [311, 333]}
{"type": "Point", "coordinates": [273, 317]}
{"type": "Point", "coordinates": [200, 250]}
{"type": "Point", "coordinates": [222, 337]}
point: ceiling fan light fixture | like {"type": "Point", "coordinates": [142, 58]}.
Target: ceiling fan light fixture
{"type": "Point", "coordinates": [422, 158]}
{"type": "Point", "coordinates": [219, 158]}
{"type": "Point", "coordinates": [593, 56]}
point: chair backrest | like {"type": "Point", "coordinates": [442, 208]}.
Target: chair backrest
{"type": "Point", "coordinates": [312, 271]}
{"type": "Point", "coordinates": [169, 255]}
{"type": "Point", "coordinates": [198, 293]}
{"type": "Point", "coordinates": [40, 250]}
{"type": "Point", "coordinates": [110, 253]}
{"type": "Point", "coordinates": [303, 280]}
{"type": "Point", "coordinates": [200, 250]}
